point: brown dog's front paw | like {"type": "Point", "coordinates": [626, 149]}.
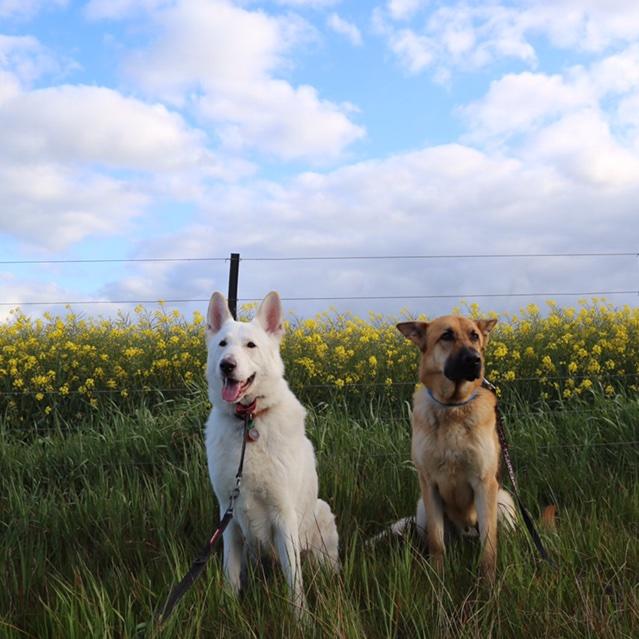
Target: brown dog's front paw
{"type": "Point", "coordinates": [488, 570]}
{"type": "Point", "coordinates": [437, 562]}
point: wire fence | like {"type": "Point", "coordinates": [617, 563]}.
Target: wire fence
{"type": "Point", "coordinates": [164, 299]}
{"type": "Point", "coordinates": [330, 298]}
{"type": "Point", "coordinates": [194, 390]}
{"type": "Point", "coordinates": [302, 387]}
{"type": "Point", "coordinates": [307, 258]}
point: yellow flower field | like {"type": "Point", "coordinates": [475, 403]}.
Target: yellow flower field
{"type": "Point", "coordinates": [69, 366]}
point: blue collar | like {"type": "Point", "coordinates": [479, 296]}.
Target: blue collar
{"type": "Point", "coordinates": [452, 404]}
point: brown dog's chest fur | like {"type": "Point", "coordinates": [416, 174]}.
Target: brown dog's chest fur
{"type": "Point", "coordinates": [456, 449]}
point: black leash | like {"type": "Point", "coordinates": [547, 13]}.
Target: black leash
{"type": "Point", "coordinates": [199, 563]}
{"type": "Point", "coordinates": [528, 520]}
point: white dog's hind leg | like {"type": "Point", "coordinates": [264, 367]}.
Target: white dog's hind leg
{"type": "Point", "coordinates": [506, 511]}
{"type": "Point", "coordinates": [420, 519]}
{"type": "Point", "coordinates": [323, 541]}
{"type": "Point", "coordinates": [233, 553]}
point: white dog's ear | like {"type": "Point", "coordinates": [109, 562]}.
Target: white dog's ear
{"type": "Point", "coordinates": [218, 312]}
{"type": "Point", "coordinates": [269, 314]}
{"type": "Point", "coordinates": [415, 332]}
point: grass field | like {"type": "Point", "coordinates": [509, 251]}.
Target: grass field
{"type": "Point", "coordinates": [100, 519]}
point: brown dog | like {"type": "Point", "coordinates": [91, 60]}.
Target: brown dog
{"type": "Point", "coordinates": [455, 446]}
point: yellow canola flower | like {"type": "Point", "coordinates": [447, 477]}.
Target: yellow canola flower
{"type": "Point", "coordinates": [79, 357]}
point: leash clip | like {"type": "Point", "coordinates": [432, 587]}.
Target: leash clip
{"type": "Point", "coordinates": [488, 385]}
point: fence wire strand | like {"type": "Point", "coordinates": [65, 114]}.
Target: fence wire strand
{"type": "Point", "coordinates": [334, 258]}
{"type": "Point", "coordinates": [325, 385]}
{"type": "Point", "coordinates": [328, 298]}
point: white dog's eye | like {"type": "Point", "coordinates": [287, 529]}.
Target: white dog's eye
{"type": "Point", "coordinates": [252, 345]}
{"type": "Point", "coordinates": [223, 342]}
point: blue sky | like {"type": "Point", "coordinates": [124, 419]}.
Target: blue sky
{"type": "Point", "coordinates": [193, 128]}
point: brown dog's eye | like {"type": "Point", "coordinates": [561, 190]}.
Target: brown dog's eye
{"type": "Point", "coordinates": [448, 336]}
{"type": "Point", "coordinates": [474, 336]}
{"type": "Point", "coordinates": [252, 345]}
{"type": "Point", "coordinates": [223, 342]}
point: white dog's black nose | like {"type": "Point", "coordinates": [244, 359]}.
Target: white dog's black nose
{"type": "Point", "coordinates": [227, 366]}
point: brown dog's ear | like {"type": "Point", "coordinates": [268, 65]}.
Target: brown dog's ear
{"type": "Point", "coordinates": [415, 332]}
{"type": "Point", "coordinates": [485, 326]}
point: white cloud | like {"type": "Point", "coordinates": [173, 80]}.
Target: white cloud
{"type": "Point", "coordinates": [581, 145]}
{"type": "Point", "coordinates": [345, 28]}
{"type": "Point", "coordinates": [223, 59]}
{"type": "Point", "coordinates": [448, 199]}
{"type": "Point", "coordinates": [203, 44]}
{"type": "Point", "coordinates": [523, 104]}
{"type": "Point", "coordinates": [415, 52]}
{"type": "Point", "coordinates": [286, 122]}
{"type": "Point", "coordinates": [581, 123]}
{"type": "Point", "coordinates": [618, 73]}
{"type": "Point", "coordinates": [54, 206]}
{"type": "Point", "coordinates": [628, 112]}
{"type": "Point", "coordinates": [9, 86]}
{"type": "Point", "coordinates": [118, 9]}
{"type": "Point", "coordinates": [27, 8]}
{"type": "Point", "coordinates": [404, 9]}
{"type": "Point", "coordinates": [25, 58]}
{"type": "Point", "coordinates": [315, 4]}
{"type": "Point", "coordinates": [13, 289]}
{"type": "Point", "coordinates": [590, 25]}
{"type": "Point", "coordinates": [516, 103]}
{"type": "Point", "coordinates": [82, 160]}
{"type": "Point", "coordinates": [471, 36]}
{"type": "Point", "coordinates": [96, 125]}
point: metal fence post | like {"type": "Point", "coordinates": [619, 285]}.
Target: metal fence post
{"type": "Point", "coordinates": [234, 272]}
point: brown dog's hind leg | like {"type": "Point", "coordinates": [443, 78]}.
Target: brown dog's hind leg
{"type": "Point", "coordinates": [434, 522]}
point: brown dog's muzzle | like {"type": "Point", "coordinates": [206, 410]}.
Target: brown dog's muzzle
{"type": "Point", "coordinates": [465, 364]}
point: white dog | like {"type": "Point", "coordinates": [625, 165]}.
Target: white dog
{"type": "Point", "coordinates": [278, 511]}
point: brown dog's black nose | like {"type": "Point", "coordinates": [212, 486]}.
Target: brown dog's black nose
{"type": "Point", "coordinates": [463, 365]}
{"type": "Point", "coordinates": [227, 366]}
{"type": "Point", "coordinates": [471, 358]}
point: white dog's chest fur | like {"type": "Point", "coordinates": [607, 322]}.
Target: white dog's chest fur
{"type": "Point", "coordinates": [279, 470]}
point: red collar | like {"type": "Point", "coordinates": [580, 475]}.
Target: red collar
{"type": "Point", "coordinates": [248, 413]}
{"type": "Point", "coordinates": [241, 410]}
{"type": "Point", "coordinates": [245, 410]}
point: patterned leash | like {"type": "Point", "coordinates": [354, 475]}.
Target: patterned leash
{"type": "Point", "coordinates": [199, 563]}
{"type": "Point", "coordinates": [528, 520]}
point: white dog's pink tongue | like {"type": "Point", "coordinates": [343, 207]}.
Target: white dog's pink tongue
{"type": "Point", "coordinates": [231, 390]}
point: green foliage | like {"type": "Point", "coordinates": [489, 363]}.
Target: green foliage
{"type": "Point", "coordinates": [99, 521]}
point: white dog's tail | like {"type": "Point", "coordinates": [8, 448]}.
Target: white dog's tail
{"type": "Point", "coordinates": [401, 529]}
{"type": "Point", "coordinates": [323, 541]}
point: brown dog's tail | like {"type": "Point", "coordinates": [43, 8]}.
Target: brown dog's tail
{"type": "Point", "coordinates": [548, 519]}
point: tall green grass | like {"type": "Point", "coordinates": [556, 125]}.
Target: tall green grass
{"type": "Point", "coordinates": [98, 521]}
